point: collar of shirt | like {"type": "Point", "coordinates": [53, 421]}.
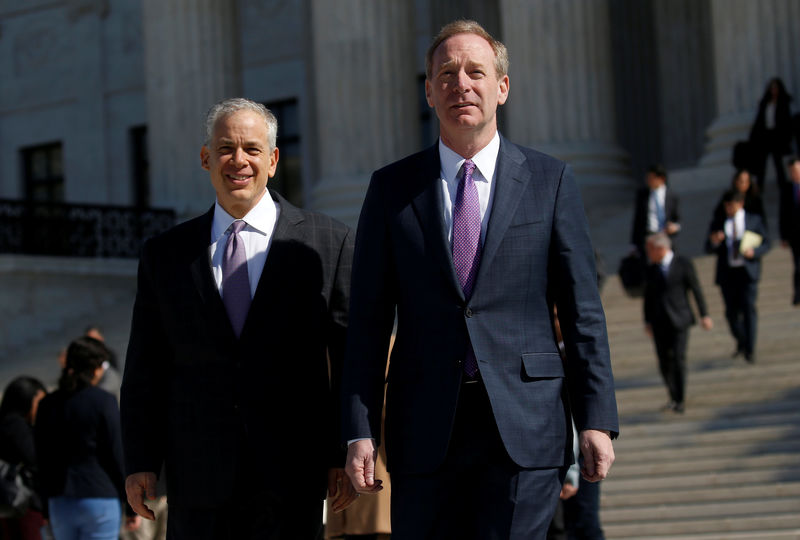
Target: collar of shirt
{"type": "Point", "coordinates": [485, 165]}
{"type": "Point", "coordinates": [257, 236]}
{"type": "Point", "coordinates": [738, 218]}
{"type": "Point", "coordinates": [667, 261]}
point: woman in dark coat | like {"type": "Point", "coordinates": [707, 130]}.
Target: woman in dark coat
{"type": "Point", "coordinates": [17, 416]}
{"type": "Point", "coordinates": [771, 134]}
{"type": "Point", "coordinates": [79, 447]}
{"type": "Point", "coordinates": [753, 204]}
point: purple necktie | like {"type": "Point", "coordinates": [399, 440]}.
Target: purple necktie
{"type": "Point", "coordinates": [467, 244]}
{"type": "Point", "coordinates": [235, 282]}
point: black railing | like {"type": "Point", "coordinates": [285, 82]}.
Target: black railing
{"type": "Point", "coordinates": [78, 230]}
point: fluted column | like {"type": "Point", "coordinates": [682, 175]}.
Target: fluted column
{"type": "Point", "coordinates": [561, 97]}
{"type": "Point", "coordinates": [191, 61]}
{"type": "Point", "coordinates": [365, 96]}
{"type": "Point", "coordinates": [753, 42]}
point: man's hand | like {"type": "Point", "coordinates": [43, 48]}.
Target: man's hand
{"type": "Point", "coordinates": [139, 487]}
{"type": "Point", "coordinates": [671, 227]}
{"type": "Point", "coordinates": [717, 237]}
{"type": "Point", "coordinates": [598, 454]}
{"type": "Point", "coordinates": [648, 329]}
{"type": "Point", "coordinates": [568, 491]}
{"type": "Point", "coordinates": [341, 492]}
{"type": "Point", "coordinates": [749, 253]}
{"type": "Point", "coordinates": [132, 523]}
{"type": "Point", "coordinates": [706, 323]}
{"type": "Point", "coordinates": [360, 466]}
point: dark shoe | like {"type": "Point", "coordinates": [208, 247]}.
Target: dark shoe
{"type": "Point", "coordinates": [678, 408]}
{"type": "Point", "coordinates": [750, 358]}
{"type": "Point", "coordinates": [669, 406]}
{"type": "Point", "coordinates": [737, 352]}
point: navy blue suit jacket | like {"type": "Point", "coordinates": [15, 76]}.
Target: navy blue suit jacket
{"type": "Point", "coordinates": [753, 223]}
{"type": "Point", "coordinates": [537, 251]}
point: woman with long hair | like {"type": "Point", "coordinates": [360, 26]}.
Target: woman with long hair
{"type": "Point", "coordinates": [771, 134]}
{"type": "Point", "coordinates": [742, 181]}
{"type": "Point", "coordinates": [17, 415]}
{"type": "Point", "coordinates": [79, 446]}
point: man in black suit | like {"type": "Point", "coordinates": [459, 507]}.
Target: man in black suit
{"type": "Point", "coordinates": [470, 243]}
{"type": "Point", "coordinates": [790, 221]}
{"type": "Point", "coordinates": [739, 268]}
{"type": "Point", "coordinates": [667, 313]}
{"type": "Point", "coordinates": [655, 209]}
{"type": "Point", "coordinates": [237, 339]}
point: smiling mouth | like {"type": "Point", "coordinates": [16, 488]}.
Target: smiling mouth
{"type": "Point", "coordinates": [238, 178]}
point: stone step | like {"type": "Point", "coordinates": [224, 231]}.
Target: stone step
{"type": "Point", "coordinates": [692, 448]}
{"type": "Point", "coordinates": [678, 465]}
{"type": "Point", "coordinates": [666, 513]}
{"type": "Point", "coordinates": [734, 479]}
{"type": "Point", "coordinates": [613, 501]}
{"type": "Point", "coordinates": [747, 535]}
{"type": "Point", "coordinates": [656, 530]}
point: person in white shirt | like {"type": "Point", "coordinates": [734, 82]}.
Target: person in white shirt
{"type": "Point", "coordinates": [739, 268]}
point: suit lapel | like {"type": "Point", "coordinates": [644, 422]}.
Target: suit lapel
{"type": "Point", "coordinates": [286, 229]}
{"type": "Point", "coordinates": [429, 207]}
{"type": "Point", "coordinates": [511, 180]}
{"type": "Point", "coordinates": [200, 268]}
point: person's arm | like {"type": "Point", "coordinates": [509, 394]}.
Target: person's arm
{"type": "Point", "coordinates": [143, 392]}
{"type": "Point", "coordinates": [573, 284]}
{"type": "Point", "coordinates": [371, 318]}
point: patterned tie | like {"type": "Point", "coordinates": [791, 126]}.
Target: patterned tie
{"type": "Point", "coordinates": [734, 241]}
{"type": "Point", "coordinates": [235, 282]}
{"type": "Point", "coordinates": [660, 217]}
{"type": "Point", "coordinates": [467, 244]}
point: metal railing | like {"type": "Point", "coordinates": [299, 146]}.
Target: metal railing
{"type": "Point", "coordinates": [78, 230]}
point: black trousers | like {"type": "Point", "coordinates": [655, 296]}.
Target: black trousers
{"type": "Point", "coordinates": [795, 244]}
{"type": "Point", "coordinates": [479, 493]}
{"type": "Point", "coordinates": [582, 513]}
{"type": "Point", "coordinates": [739, 293]}
{"type": "Point", "coordinates": [671, 346]}
{"type": "Point", "coordinates": [259, 509]}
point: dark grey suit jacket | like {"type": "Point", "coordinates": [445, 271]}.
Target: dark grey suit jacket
{"type": "Point", "coordinates": [666, 300]}
{"type": "Point", "coordinates": [537, 251]}
{"type": "Point", "coordinates": [198, 399]}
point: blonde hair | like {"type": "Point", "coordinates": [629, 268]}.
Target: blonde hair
{"type": "Point", "coordinates": [466, 26]}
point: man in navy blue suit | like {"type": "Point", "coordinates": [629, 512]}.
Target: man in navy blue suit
{"type": "Point", "coordinates": [468, 244]}
{"type": "Point", "coordinates": [739, 268]}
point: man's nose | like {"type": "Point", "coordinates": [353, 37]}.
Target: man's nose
{"type": "Point", "coordinates": [239, 158]}
{"type": "Point", "coordinates": [462, 82]}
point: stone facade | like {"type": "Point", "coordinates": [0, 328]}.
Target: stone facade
{"type": "Point", "coordinates": [609, 85]}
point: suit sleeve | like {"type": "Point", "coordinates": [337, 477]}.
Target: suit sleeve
{"type": "Point", "coordinates": [694, 285]}
{"type": "Point", "coordinates": [372, 310]}
{"type": "Point", "coordinates": [337, 337]}
{"type": "Point", "coordinates": [759, 228]}
{"type": "Point", "coordinates": [144, 390]}
{"type": "Point", "coordinates": [573, 287]}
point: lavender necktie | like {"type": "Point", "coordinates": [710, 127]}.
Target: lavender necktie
{"type": "Point", "coordinates": [467, 244]}
{"type": "Point", "coordinates": [235, 282]}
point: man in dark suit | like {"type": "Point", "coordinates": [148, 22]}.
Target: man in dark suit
{"type": "Point", "coordinates": [667, 314]}
{"type": "Point", "coordinates": [739, 268]}
{"type": "Point", "coordinates": [470, 243]}
{"type": "Point", "coordinates": [235, 352]}
{"type": "Point", "coordinates": [790, 221]}
{"type": "Point", "coordinates": [655, 209]}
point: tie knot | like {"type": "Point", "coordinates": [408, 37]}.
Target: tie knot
{"type": "Point", "coordinates": [237, 226]}
{"type": "Point", "coordinates": [469, 168]}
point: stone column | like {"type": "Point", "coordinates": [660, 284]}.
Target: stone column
{"type": "Point", "coordinates": [365, 97]}
{"type": "Point", "coordinates": [753, 42]}
{"type": "Point", "coordinates": [191, 61]}
{"type": "Point", "coordinates": [561, 98]}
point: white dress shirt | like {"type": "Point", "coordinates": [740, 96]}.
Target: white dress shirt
{"type": "Point", "coordinates": [738, 217]}
{"type": "Point", "coordinates": [666, 262]}
{"type": "Point", "coordinates": [652, 212]}
{"type": "Point", "coordinates": [257, 237]}
{"type": "Point", "coordinates": [484, 176]}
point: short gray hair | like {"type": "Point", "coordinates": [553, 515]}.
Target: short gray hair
{"type": "Point", "coordinates": [226, 107]}
{"type": "Point", "coordinates": [659, 239]}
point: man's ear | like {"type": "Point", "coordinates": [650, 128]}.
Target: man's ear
{"type": "Point", "coordinates": [205, 154]}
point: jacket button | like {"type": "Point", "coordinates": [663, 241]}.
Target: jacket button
{"type": "Point", "coordinates": [468, 312]}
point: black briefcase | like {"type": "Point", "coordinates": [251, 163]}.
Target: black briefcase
{"type": "Point", "coordinates": [631, 273]}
